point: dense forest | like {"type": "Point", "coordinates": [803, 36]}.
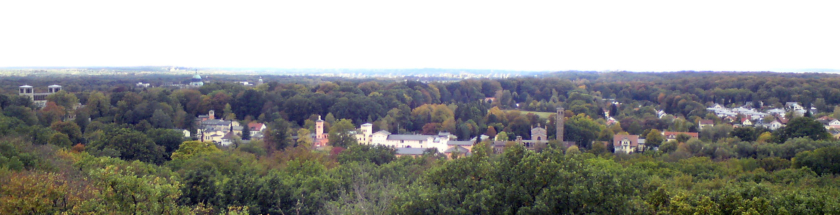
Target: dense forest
{"type": "Point", "coordinates": [105, 145]}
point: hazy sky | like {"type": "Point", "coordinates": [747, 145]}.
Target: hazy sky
{"type": "Point", "coordinates": [515, 35]}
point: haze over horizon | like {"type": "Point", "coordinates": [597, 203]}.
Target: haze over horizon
{"type": "Point", "coordinates": [525, 36]}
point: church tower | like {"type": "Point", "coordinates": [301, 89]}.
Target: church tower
{"type": "Point", "coordinates": [321, 139]}
{"type": "Point", "coordinates": [560, 123]}
{"type": "Point", "coordinates": [319, 127]}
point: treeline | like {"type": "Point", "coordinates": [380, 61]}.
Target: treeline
{"type": "Point", "coordinates": [202, 179]}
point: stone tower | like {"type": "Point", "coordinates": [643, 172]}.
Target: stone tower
{"type": "Point", "coordinates": [211, 114]}
{"type": "Point", "coordinates": [560, 123]}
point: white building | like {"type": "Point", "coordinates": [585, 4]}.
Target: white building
{"type": "Point", "coordinates": [440, 141]}
{"type": "Point", "coordinates": [39, 99]}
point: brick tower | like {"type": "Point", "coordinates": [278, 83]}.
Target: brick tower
{"type": "Point", "coordinates": [560, 123]}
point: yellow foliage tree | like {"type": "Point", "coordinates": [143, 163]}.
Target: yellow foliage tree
{"type": "Point", "coordinates": [189, 149]}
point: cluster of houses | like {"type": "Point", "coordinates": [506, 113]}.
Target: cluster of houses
{"type": "Point", "coordinates": [628, 144]}
{"type": "Point", "coordinates": [750, 117]}
{"type": "Point", "coordinates": [223, 132]}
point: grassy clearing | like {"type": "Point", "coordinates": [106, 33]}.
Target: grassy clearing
{"type": "Point", "coordinates": [541, 114]}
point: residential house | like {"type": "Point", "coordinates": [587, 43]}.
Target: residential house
{"type": "Point", "coordinates": [227, 139]}
{"type": "Point", "coordinates": [791, 106]}
{"type": "Point", "coordinates": [672, 135]}
{"type": "Point", "coordinates": [706, 123]}
{"type": "Point", "coordinates": [834, 133]}
{"type": "Point", "coordinates": [746, 122]}
{"type": "Point", "coordinates": [462, 151]}
{"type": "Point", "coordinates": [777, 112]}
{"type": "Point", "coordinates": [183, 131]}
{"type": "Point", "coordinates": [627, 144]}
{"type": "Point", "coordinates": [830, 124]}
{"type": "Point", "coordinates": [255, 128]}
{"type": "Point", "coordinates": [773, 125]}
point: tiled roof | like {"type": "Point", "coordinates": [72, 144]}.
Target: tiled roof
{"type": "Point", "coordinates": [407, 137]}
{"type": "Point", "coordinates": [254, 125]}
{"type": "Point", "coordinates": [458, 149]}
{"type": "Point", "coordinates": [410, 151]}
{"type": "Point", "coordinates": [215, 122]}
{"type": "Point", "coordinates": [460, 143]}
{"type": "Point", "coordinates": [675, 133]}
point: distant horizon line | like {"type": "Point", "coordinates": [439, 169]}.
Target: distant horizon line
{"type": "Point", "coordinates": [814, 70]}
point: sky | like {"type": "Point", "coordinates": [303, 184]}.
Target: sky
{"type": "Point", "coordinates": [504, 35]}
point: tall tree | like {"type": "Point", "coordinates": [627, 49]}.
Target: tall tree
{"type": "Point", "coordinates": [246, 132]}
{"type": "Point", "coordinates": [340, 135]}
{"type": "Point", "coordinates": [73, 131]}
{"type": "Point", "coordinates": [802, 127]}
{"type": "Point", "coordinates": [161, 120]}
{"type": "Point", "coordinates": [64, 99]}
{"type": "Point", "coordinates": [581, 129]}
{"type": "Point", "coordinates": [131, 145]}
{"type": "Point", "coordinates": [277, 136]}
{"type": "Point", "coordinates": [654, 138]}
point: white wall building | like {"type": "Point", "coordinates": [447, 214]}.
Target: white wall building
{"type": "Point", "coordinates": [385, 138]}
